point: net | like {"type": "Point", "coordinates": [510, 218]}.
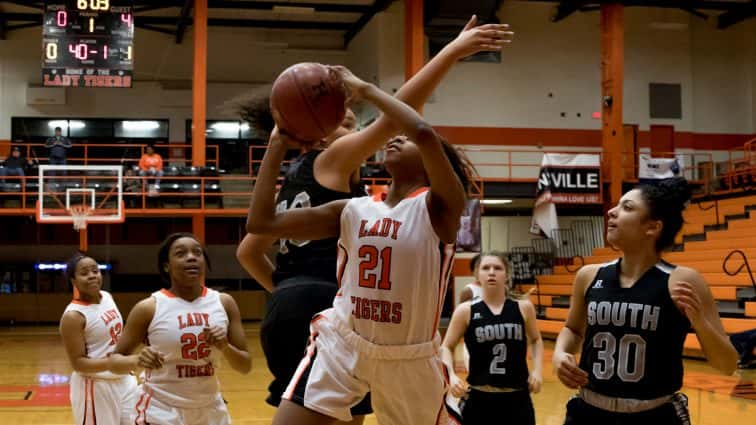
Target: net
{"type": "Point", "coordinates": [79, 214]}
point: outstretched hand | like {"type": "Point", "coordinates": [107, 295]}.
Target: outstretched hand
{"type": "Point", "coordinates": [484, 38]}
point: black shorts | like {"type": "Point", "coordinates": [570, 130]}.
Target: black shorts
{"type": "Point", "coordinates": [673, 413]}
{"type": "Point", "coordinates": [285, 330]}
{"type": "Point", "coordinates": [484, 408]}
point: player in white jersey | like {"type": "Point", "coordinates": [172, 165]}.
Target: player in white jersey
{"type": "Point", "coordinates": [187, 327]}
{"type": "Point", "coordinates": [395, 258]}
{"type": "Point", "coordinates": [90, 326]}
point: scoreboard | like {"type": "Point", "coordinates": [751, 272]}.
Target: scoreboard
{"type": "Point", "coordinates": [88, 43]}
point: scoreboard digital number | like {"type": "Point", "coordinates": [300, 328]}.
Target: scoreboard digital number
{"type": "Point", "coordinates": [88, 43]}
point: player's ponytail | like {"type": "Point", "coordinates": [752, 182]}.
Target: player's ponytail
{"type": "Point", "coordinates": [666, 201]}
{"type": "Point", "coordinates": [460, 163]}
{"type": "Point", "coordinates": [254, 108]}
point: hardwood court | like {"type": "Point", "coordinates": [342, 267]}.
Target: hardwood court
{"type": "Point", "coordinates": [33, 361]}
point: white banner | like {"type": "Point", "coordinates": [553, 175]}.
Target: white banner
{"type": "Point", "coordinates": [659, 168]}
{"type": "Point", "coordinates": [564, 179]}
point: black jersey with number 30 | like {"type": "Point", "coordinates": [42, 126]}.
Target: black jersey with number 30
{"type": "Point", "coordinates": [634, 339]}
{"type": "Point", "coordinates": [301, 190]}
{"type": "Point", "coordinates": [498, 346]}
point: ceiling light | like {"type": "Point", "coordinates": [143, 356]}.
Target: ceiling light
{"type": "Point", "coordinates": [225, 126]}
{"type": "Point", "coordinates": [63, 124]}
{"type": "Point", "coordinates": [495, 201]}
{"type": "Point", "coordinates": [140, 125]}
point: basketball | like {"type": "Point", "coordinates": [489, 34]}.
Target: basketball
{"type": "Point", "coordinates": [307, 101]}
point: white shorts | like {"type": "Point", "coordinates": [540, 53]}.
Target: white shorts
{"type": "Point", "coordinates": [101, 401]}
{"type": "Point", "coordinates": [151, 411]}
{"type": "Point", "coordinates": [407, 383]}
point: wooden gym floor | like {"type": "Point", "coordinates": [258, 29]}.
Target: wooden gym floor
{"type": "Point", "coordinates": [33, 372]}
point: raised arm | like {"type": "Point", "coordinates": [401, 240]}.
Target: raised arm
{"type": "Point", "coordinates": [251, 254]}
{"type": "Point", "coordinates": [692, 295]}
{"type": "Point", "coordinates": [298, 223]}
{"type": "Point", "coordinates": [447, 197]}
{"type": "Point", "coordinates": [347, 153]}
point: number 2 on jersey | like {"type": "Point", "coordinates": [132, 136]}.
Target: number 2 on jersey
{"type": "Point", "coordinates": [370, 259]}
{"type": "Point", "coordinates": [500, 356]}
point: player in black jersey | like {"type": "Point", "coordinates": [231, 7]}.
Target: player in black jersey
{"type": "Point", "coordinates": [303, 281]}
{"type": "Point", "coordinates": [497, 328]}
{"type": "Point", "coordinates": [632, 315]}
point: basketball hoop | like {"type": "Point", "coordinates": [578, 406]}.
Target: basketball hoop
{"type": "Point", "coordinates": [79, 214]}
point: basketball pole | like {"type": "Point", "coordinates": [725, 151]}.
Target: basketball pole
{"type": "Point", "coordinates": [612, 77]}
{"type": "Point", "coordinates": [414, 37]}
{"type": "Point", "coordinates": [83, 240]}
{"type": "Point", "coordinates": [199, 96]}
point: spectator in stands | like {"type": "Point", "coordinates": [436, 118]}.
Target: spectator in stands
{"type": "Point", "coordinates": [58, 145]}
{"type": "Point", "coordinates": [15, 165]}
{"type": "Point", "coordinates": [151, 164]}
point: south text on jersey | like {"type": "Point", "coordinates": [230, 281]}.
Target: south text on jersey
{"type": "Point", "coordinates": [498, 331]}
{"type": "Point", "coordinates": [634, 315]}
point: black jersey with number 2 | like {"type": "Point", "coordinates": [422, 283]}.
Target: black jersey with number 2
{"type": "Point", "coordinates": [498, 346]}
{"type": "Point", "coordinates": [634, 338]}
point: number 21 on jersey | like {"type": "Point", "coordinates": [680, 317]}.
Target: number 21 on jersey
{"type": "Point", "coordinates": [375, 266]}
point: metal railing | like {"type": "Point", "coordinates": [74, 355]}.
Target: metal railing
{"type": "Point", "coordinates": [745, 265]}
{"type": "Point", "coordinates": [96, 153]}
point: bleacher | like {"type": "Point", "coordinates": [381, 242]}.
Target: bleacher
{"type": "Point", "coordinates": [713, 230]}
